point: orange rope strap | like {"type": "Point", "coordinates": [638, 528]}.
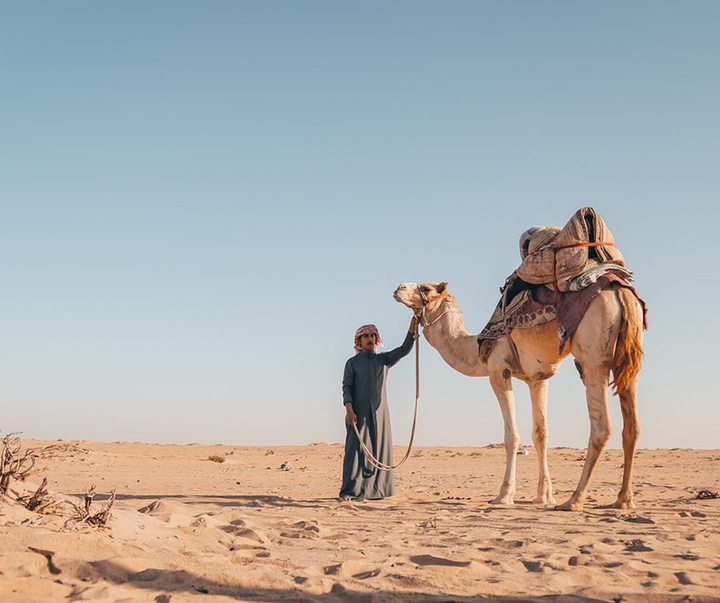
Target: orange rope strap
{"type": "Point", "coordinates": [438, 296]}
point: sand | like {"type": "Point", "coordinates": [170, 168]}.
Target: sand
{"type": "Point", "coordinates": [265, 525]}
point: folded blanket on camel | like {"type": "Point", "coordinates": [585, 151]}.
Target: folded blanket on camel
{"type": "Point", "coordinates": [557, 255]}
{"type": "Point", "coordinates": [563, 269]}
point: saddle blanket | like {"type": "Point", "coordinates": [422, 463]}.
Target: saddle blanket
{"type": "Point", "coordinates": [534, 305]}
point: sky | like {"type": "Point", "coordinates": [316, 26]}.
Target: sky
{"type": "Point", "coordinates": [201, 201]}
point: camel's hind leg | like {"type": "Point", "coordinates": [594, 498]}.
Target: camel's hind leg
{"type": "Point", "coordinates": [630, 436]}
{"type": "Point", "coordinates": [626, 369]}
{"type": "Point", "coordinates": [600, 432]}
{"type": "Point", "coordinates": [593, 347]}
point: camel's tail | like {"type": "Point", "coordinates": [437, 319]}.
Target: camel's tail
{"type": "Point", "coordinates": [629, 351]}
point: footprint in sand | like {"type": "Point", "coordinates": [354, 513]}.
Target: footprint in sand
{"type": "Point", "coordinates": [533, 566]}
{"type": "Point", "coordinates": [683, 578]}
{"type": "Point", "coordinates": [636, 519]}
{"type": "Point", "coordinates": [576, 560]}
{"type": "Point", "coordinates": [688, 557]}
{"type": "Point", "coordinates": [245, 535]}
{"type": "Point", "coordinates": [301, 529]}
{"type": "Point", "coordinates": [352, 569]}
{"type": "Point", "coordinates": [424, 560]}
{"type": "Point", "coordinates": [637, 546]}
{"type": "Point", "coordinates": [171, 512]}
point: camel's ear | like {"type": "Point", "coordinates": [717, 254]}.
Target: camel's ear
{"type": "Point", "coordinates": [442, 286]}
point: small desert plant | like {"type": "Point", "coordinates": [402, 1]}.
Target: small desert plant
{"type": "Point", "coordinates": [216, 458]}
{"type": "Point", "coordinates": [84, 514]}
{"type": "Point", "coordinates": [15, 464]}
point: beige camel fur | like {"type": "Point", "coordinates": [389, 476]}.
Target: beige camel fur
{"type": "Point", "coordinates": [609, 338]}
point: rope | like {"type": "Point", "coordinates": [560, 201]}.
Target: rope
{"type": "Point", "coordinates": [377, 464]}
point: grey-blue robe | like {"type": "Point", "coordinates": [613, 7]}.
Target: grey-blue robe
{"type": "Point", "coordinates": [363, 384]}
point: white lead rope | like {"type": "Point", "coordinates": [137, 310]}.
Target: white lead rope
{"type": "Point", "coordinates": [377, 464]}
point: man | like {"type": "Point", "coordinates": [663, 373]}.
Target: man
{"type": "Point", "coordinates": [365, 399]}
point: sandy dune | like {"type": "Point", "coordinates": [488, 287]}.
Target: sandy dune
{"type": "Point", "coordinates": [265, 525]}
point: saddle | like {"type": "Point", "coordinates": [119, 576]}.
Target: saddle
{"type": "Point", "coordinates": [562, 270]}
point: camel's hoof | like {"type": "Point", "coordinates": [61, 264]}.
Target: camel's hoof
{"type": "Point", "coordinates": [502, 500]}
{"type": "Point", "coordinates": [545, 500]}
{"type": "Point", "coordinates": [569, 506]}
{"type": "Point", "coordinates": [623, 504]}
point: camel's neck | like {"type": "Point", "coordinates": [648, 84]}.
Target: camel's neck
{"type": "Point", "coordinates": [445, 331]}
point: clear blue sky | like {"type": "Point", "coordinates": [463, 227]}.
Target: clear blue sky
{"type": "Point", "coordinates": [201, 201]}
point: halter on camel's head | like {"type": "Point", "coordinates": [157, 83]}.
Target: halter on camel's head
{"type": "Point", "coordinates": [423, 290]}
{"type": "Point", "coordinates": [441, 292]}
{"type": "Point", "coordinates": [421, 298]}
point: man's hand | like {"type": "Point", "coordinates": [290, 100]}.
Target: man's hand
{"type": "Point", "coordinates": [350, 416]}
{"type": "Point", "coordinates": [414, 324]}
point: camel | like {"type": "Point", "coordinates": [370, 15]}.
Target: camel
{"type": "Point", "coordinates": [608, 338]}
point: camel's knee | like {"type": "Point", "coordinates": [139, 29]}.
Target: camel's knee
{"type": "Point", "coordinates": [512, 443]}
{"type": "Point", "coordinates": [600, 436]}
{"type": "Point", "coordinates": [631, 431]}
{"type": "Point", "coordinates": [631, 425]}
{"type": "Point", "coordinates": [540, 435]}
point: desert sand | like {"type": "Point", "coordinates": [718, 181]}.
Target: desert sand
{"type": "Point", "coordinates": [232, 523]}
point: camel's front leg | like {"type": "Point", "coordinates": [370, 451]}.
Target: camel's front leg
{"type": "Point", "coordinates": [600, 431]}
{"type": "Point", "coordinates": [539, 397]}
{"type": "Point", "coordinates": [502, 386]}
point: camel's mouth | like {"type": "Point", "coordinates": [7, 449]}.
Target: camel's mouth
{"type": "Point", "coordinates": [404, 295]}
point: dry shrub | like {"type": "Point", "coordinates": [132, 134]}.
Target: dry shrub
{"type": "Point", "coordinates": [15, 463]}
{"type": "Point", "coordinates": [84, 513]}
{"type": "Point", "coordinates": [216, 458]}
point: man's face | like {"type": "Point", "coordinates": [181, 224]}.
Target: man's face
{"type": "Point", "coordinates": [368, 342]}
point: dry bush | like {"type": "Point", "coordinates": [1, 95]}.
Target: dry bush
{"type": "Point", "coordinates": [84, 514]}
{"type": "Point", "coordinates": [216, 458]}
{"type": "Point", "coordinates": [15, 463]}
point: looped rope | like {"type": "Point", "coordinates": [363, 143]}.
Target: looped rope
{"type": "Point", "coordinates": [377, 464]}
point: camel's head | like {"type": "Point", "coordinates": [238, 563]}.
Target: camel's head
{"type": "Point", "coordinates": [415, 296]}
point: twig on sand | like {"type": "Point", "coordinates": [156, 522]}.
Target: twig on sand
{"type": "Point", "coordinates": [40, 501]}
